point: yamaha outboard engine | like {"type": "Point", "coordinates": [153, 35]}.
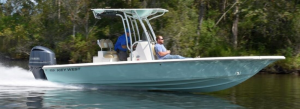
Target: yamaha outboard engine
{"type": "Point", "coordinates": [40, 56]}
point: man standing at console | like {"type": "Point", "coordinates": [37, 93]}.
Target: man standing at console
{"type": "Point", "coordinates": [121, 46]}
{"type": "Point", "coordinates": [162, 52]}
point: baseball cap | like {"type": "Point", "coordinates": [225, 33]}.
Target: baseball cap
{"type": "Point", "coordinates": [127, 30]}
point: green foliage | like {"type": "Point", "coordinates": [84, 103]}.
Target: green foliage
{"type": "Point", "coordinates": [76, 49]}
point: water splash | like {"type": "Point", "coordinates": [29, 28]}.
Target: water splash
{"type": "Point", "coordinates": [19, 77]}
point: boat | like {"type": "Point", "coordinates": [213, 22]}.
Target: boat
{"type": "Point", "coordinates": [142, 71]}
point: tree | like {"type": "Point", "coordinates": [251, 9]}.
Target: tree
{"type": "Point", "coordinates": [235, 25]}
{"type": "Point", "coordinates": [201, 10]}
{"type": "Point", "coordinates": [15, 28]}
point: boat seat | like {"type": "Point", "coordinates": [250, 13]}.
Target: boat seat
{"type": "Point", "coordinates": [102, 43]}
{"type": "Point", "coordinates": [109, 44]}
{"type": "Point", "coordinates": [153, 50]}
{"type": "Point", "coordinates": [106, 43]}
{"type": "Point", "coordinates": [111, 53]}
{"type": "Point", "coordinates": [107, 55]}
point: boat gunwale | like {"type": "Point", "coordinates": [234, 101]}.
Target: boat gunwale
{"type": "Point", "coordinates": [165, 61]}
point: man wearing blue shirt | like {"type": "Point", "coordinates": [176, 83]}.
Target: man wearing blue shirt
{"type": "Point", "coordinates": [121, 46]}
{"type": "Point", "coordinates": [162, 52]}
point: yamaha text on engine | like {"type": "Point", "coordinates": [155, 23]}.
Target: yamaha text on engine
{"type": "Point", "coordinates": [40, 56]}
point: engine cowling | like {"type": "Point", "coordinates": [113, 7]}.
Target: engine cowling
{"type": "Point", "coordinates": [40, 56]}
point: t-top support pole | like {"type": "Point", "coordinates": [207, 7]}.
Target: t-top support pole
{"type": "Point", "coordinates": [148, 38]}
{"type": "Point", "coordinates": [137, 29]}
{"type": "Point", "coordinates": [129, 35]}
{"type": "Point", "coordinates": [150, 27]}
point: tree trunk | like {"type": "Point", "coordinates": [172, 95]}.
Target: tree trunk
{"type": "Point", "coordinates": [144, 3]}
{"type": "Point", "coordinates": [58, 9]}
{"type": "Point", "coordinates": [201, 10]}
{"type": "Point", "coordinates": [74, 30]}
{"type": "Point", "coordinates": [295, 6]}
{"type": "Point", "coordinates": [235, 25]}
{"type": "Point", "coordinates": [223, 7]}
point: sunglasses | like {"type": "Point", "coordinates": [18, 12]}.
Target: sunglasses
{"type": "Point", "coordinates": [161, 39]}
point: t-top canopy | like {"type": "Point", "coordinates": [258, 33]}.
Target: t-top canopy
{"type": "Point", "coordinates": [135, 13]}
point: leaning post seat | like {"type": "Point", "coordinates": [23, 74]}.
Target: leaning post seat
{"type": "Point", "coordinates": [104, 43]}
{"type": "Point", "coordinates": [105, 55]}
{"type": "Point", "coordinates": [110, 46]}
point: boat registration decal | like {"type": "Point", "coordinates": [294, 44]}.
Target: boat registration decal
{"type": "Point", "coordinates": [65, 69]}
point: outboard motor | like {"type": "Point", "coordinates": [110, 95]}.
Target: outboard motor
{"type": "Point", "coordinates": [40, 56]}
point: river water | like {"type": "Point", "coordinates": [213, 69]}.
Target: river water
{"type": "Point", "coordinates": [19, 89]}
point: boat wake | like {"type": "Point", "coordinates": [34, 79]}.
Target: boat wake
{"type": "Point", "coordinates": [19, 77]}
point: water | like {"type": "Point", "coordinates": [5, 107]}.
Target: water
{"type": "Point", "coordinates": [19, 89]}
{"type": "Point", "coordinates": [266, 91]}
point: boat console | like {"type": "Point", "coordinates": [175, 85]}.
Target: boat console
{"type": "Point", "coordinates": [141, 52]}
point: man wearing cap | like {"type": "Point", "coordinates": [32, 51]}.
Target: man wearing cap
{"type": "Point", "coordinates": [121, 46]}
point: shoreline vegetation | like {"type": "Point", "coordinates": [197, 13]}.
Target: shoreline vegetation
{"type": "Point", "coordinates": [191, 28]}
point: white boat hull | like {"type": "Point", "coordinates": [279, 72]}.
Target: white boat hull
{"type": "Point", "coordinates": [188, 75]}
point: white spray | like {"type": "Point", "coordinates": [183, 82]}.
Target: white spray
{"type": "Point", "coordinates": [19, 77]}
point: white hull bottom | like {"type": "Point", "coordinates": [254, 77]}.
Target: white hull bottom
{"type": "Point", "coordinates": [188, 75]}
